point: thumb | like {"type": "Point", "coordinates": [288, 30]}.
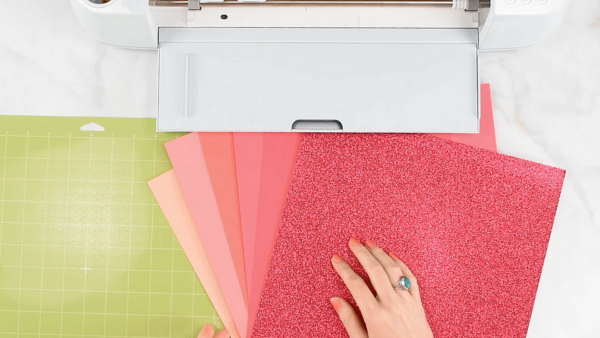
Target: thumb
{"type": "Point", "coordinates": [207, 331]}
{"type": "Point", "coordinates": [223, 334]}
{"type": "Point", "coordinates": [352, 322]}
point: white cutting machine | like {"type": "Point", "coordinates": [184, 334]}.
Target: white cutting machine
{"type": "Point", "coordinates": [321, 65]}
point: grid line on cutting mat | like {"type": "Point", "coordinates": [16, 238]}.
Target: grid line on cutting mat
{"type": "Point", "coordinates": [43, 239]}
{"type": "Point", "coordinates": [188, 294]}
{"type": "Point", "coordinates": [115, 313]}
{"type": "Point", "coordinates": [84, 249]}
{"type": "Point", "coordinates": [112, 147]}
{"type": "Point", "coordinates": [152, 239]}
{"type": "Point", "coordinates": [129, 255]}
{"type": "Point", "coordinates": [86, 231]}
{"type": "Point", "coordinates": [62, 305]}
{"type": "Point", "coordinates": [21, 270]}
{"type": "Point", "coordinates": [50, 335]}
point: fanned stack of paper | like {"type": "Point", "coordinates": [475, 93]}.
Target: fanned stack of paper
{"type": "Point", "coordinates": [226, 195]}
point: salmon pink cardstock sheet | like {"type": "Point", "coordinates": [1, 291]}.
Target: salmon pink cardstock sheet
{"type": "Point", "coordinates": [219, 156]}
{"type": "Point", "coordinates": [248, 159]}
{"type": "Point", "coordinates": [193, 177]}
{"type": "Point", "coordinates": [472, 225]}
{"type": "Point", "coordinates": [171, 201]}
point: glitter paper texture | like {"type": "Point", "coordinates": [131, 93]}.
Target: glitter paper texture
{"type": "Point", "coordinates": [472, 225]}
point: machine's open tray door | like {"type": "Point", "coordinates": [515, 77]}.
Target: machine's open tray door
{"type": "Point", "coordinates": [284, 79]}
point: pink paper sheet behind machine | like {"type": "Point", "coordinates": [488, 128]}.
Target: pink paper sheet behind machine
{"type": "Point", "coordinates": [486, 138]}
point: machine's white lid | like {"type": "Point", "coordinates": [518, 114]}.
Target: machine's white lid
{"type": "Point", "coordinates": [277, 79]}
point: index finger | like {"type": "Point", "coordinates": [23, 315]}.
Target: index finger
{"type": "Point", "coordinates": [356, 285]}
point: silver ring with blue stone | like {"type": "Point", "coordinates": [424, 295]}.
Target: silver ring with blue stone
{"type": "Point", "coordinates": [402, 284]}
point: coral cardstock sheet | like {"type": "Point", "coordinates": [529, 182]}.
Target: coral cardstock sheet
{"type": "Point", "coordinates": [219, 156]}
{"type": "Point", "coordinates": [472, 225]}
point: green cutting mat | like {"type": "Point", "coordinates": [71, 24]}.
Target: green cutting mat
{"type": "Point", "coordinates": [84, 248]}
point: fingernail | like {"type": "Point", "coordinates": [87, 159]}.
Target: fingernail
{"type": "Point", "coordinates": [354, 241]}
{"type": "Point", "coordinates": [336, 303]}
{"type": "Point", "coordinates": [336, 258]}
{"type": "Point", "coordinates": [394, 256]}
{"type": "Point", "coordinates": [370, 244]}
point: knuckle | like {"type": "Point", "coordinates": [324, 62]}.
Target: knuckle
{"type": "Point", "coordinates": [376, 250]}
{"type": "Point", "coordinates": [379, 320]}
{"type": "Point", "coordinates": [346, 318]}
{"type": "Point", "coordinates": [361, 251]}
{"type": "Point", "coordinates": [379, 270]}
{"type": "Point", "coordinates": [344, 270]}
{"type": "Point", "coordinates": [355, 281]}
{"type": "Point", "coordinates": [396, 271]}
{"type": "Point", "coordinates": [372, 266]}
{"type": "Point", "coordinates": [407, 271]}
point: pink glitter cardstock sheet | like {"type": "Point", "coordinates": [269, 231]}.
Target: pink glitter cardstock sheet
{"type": "Point", "coordinates": [278, 155]}
{"type": "Point", "coordinates": [472, 225]}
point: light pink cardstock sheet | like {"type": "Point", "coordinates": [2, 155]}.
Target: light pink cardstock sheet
{"type": "Point", "coordinates": [171, 201]}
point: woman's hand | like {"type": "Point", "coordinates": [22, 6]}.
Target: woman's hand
{"type": "Point", "coordinates": [208, 331]}
{"type": "Point", "coordinates": [393, 313]}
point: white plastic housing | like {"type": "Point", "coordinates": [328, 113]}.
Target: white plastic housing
{"type": "Point", "coordinates": [121, 23]}
{"type": "Point", "coordinates": [514, 24]}
{"type": "Point", "coordinates": [510, 24]}
{"type": "Point", "coordinates": [276, 79]}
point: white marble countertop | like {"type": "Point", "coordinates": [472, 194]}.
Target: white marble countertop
{"type": "Point", "coordinates": [546, 108]}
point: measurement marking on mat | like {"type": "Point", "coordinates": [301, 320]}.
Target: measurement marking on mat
{"type": "Point", "coordinates": [85, 268]}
